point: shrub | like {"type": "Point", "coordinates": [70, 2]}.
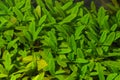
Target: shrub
{"type": "Point", "coordinates": [58, 40]}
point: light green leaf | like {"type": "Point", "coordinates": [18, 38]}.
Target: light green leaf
{"type": "Point", "coordinates": [85, 19]}
{"type": "Point", "coordinates": [117, 36]}
{"type": "Point", "coordinates": [11, 43]}
{"type": "Point", "coordinates": [114, 27]}
{"type": "Point", "coordinates": [80, 53]}
{"type": "Point", "coordinates": [101, 15]}
{"type": "Point", "coordinates": [110, 39]}
{"type": "Point", "coordinates": [2, 42]}
{"type": "Point", "coordinates": [27, 59]}
{"type": "Point", "coordinates": [72, 43]}
{"type": "Point", "coordinates": [7, 63]}
{"type": "Point", "coordinates": [51, 64]}
{"type": "Point", "coordinates": [103, 36]}
{"type": "Point", "coordinates": [27, 35]}
{"type": "Point", "coordinates": [111, 76]}
{"type": "Point", "coordinates": [3, 7]}
{"type": "Point", "coordinates": [49, 16]}
{"type": "Point", "coordinates": [14, 77]}
{"type": "Point", "coordinates": [59, 72]}
{"type": "Point", "coordinates": [39, 76]}
{"type": "Point", "coordinates": [118, 77]}
{"type": "Point", "coordinates": [99, 51]}
{"type": "Point", "coordinates": [68, 19]}
{"type": "Point", "coordinates": [64, 48]}
{"type": "Point", "coordinates": [71, 76]}
{"type": "Point", "coordinates": [100, 71]}
{"type": "Point", "coordinates": [42, 19]}
{"type": "Point", "coordinates": [2, 69]}
{"type": "Point", "coordinates": [81, 60]}
{"type": "Point", "coordinates": [67, 5]}
{"type": "Point", "coordinates": [18, 13]}
{"type": "Point", "coordinates": [19, 4]}
{"type": "Point", "coordinates": [3, 75]}
{"type": "Point", "coordinates": [91, 36]}
{"type": "Point", "coordinates": [78, 31]}
{"type": "Point", "coordinates": [38, 10]}
{"type": "Point", "coordinates": [35, 36]}
{"type": "Point", "coordinates": [32, 28]}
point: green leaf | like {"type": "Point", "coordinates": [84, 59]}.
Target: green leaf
{"type": "Point", "coordinates": [19, 4]}
{"type": "Point", "coordinates": [80, 53]}
{"type": "Point", "coordinates": [84, 70]}
{"type": "Point", "coordinates": [113, 65]}
{"type": "Point", "coordinates": [99, 51]}
{"type": "Point", "coordinates": [2, 69]}
{"type": "Point", "coordinates": [8, 62]}
{"type": "Point", "coordinates": [38, 10]}
{"type": "Point", "coordinates": [64, 48]}
{"type": "Point", "coordinates": [39, 76]}
{"type": "Point", "coordinates": [68, 19]}
{"type": "Point", "coordinates": [114, 27]}
{"type": "Point", "coordinates": [103, 36]}
{"type": "Point", "coordinates": [101, 15]}
{"type": "Point", "coordinates": [93, 7]}
{"type": "Point", "coordinates": [27, 35]}
{"type": "Point", "coordinates": [3, 7]}
{"type": "Point", "coordinates": [27, 6]}
{"type": "Point", "coordinates": [81, 60]}
{"type": "Point", "coordinates": [71, 76]}
{"type": "Point", "coordinates": [42, 20]}
{"type": "Point", "coordinates": [32, 28]}
{"type": "Point", "coordinates": [111, 76]}
{"type": "Point", "coordinates": [118, 77]}
{"type": "Point", "coordinates": [91, 36]}
{"type": "Point", "coordinates": [72, 43]}
{"type": "Point", "coordinates": [27, 59]}
{"type": "Point", "coordinates": [2, 42]}
{"type": "Point", "coordinates": [51, 64]}
{"type": "Point", "coordinates": [14, 77]}
{"type": "Point", "coordinates": [3, 75]}
{"type": "Point", "coordinates": [12, 43]}
{"type": "Point", "coordinates": [2, 22]}
{"type": "Point", "coordinates": [41, 3]}
{"type": "Point", "coordinates": [62, 60]}
{"type": "Point", "coordinates": [118, 16]}
{"type": "Point", "coordinates": [113, 54]}
{"type": "Point", "coordinates": [62, 30]}
{"type": "Point", "coordinates": [110, 38]}
{"type": "Point", "coordinates": [35, 36]}
{"type": "Point", "coordinates": [85, 19]}
{"type": "Point", "coordinates": [75, 9]}
{"type": "Point", "coordinates": [53, 39]}
{"type": "Point", "coordinates": [49, 5]}
{"type": "Point", "coordinates": [117, 36]}
{"type": "Point", "coordinates": [18, 13]}
{"type": "Point", "coordinates": [59, 72]}
{"type": "Point", "coordinates": [67, 5]}
{"type": "Point", "coordinates": [100, 71]}
{"type": "Point", "coordinates": [59, 10]}
{"type": "Point", "coordinates": [78, 31]}
{"type": "Point", "coordinates": [49, 16]}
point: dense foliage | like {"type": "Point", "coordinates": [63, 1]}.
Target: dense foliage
{"type": "Point", "coordinates": [58, 40]}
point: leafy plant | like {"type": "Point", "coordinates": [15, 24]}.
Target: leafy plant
{"type": "Point", "coordinates": [58, 40]}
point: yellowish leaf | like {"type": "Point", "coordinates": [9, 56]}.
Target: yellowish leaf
{"type": "Point", "coordinates": [41, 64]}
{"type": "Point", "coordinates": [27, 59]}
{"type": "Point", "coordinates": [38, 11]}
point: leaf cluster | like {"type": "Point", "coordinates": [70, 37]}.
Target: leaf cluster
{"type": "Point", "coordinates": [58, 40]}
